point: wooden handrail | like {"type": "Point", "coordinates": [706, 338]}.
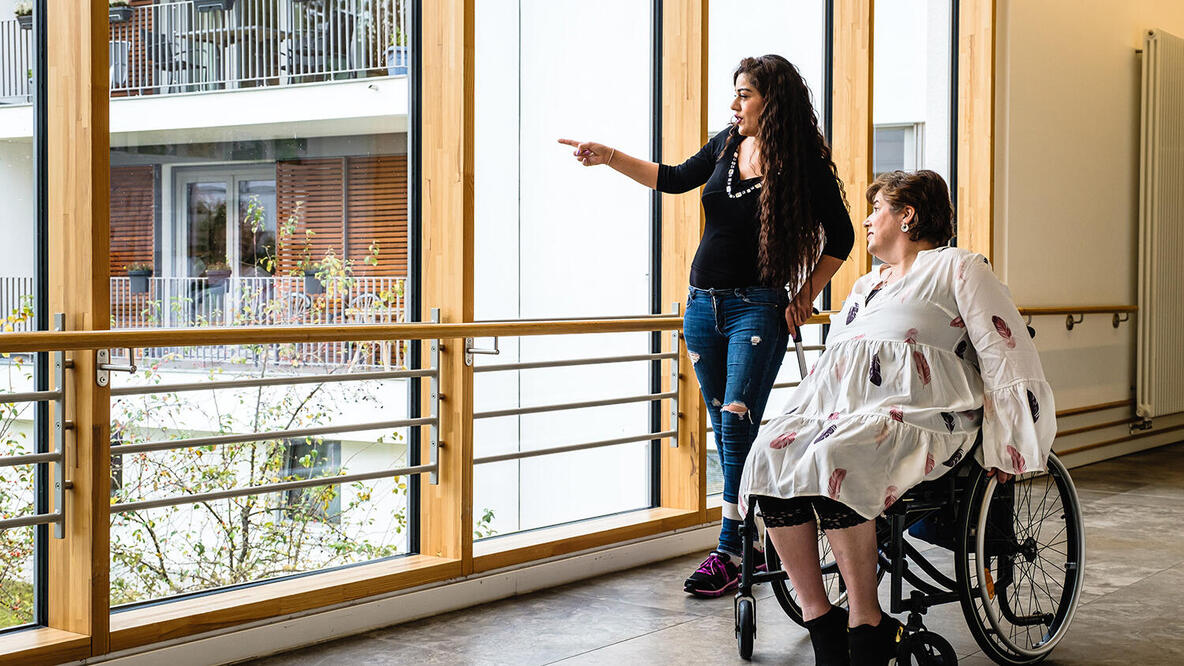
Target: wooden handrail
{"type": "Point", "coordinates": [1073, 411]}
{"type": "Point", "coordinates": [1083, 309]}
{"type": "Point", "coordinates": [12, 343]}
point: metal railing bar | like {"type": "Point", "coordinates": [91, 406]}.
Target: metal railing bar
{"type": "Point", "coordinates": [532, 365]}
{"type": "Point", "coordinates": [518, 411]}
{"type": "Point", "coordinates": [269, 381]}
{"type": "Point", "coordinates": [268, 488]}
{"type": "Point", "coordinates": [29, 459]}
{"type": "Point", "coordinates": [785, 385]}
{"type": "Point", "coordinates": [519, 455]}
{"type": "Point", "coordinates": [166, 445]}
{"type": "Point", "coordinates": [806, 348]}
{"type": "Point", "coordinates": [26, 521]}
{"type": "Point", "coordinates": [29, 396]}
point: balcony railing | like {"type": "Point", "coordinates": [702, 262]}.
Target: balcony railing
{"type": "Point", "coordinates": [176, 47]}
{"type": "Point", "coordinates": [173, 302]}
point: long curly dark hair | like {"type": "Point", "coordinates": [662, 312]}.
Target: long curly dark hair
{"type": "Point", "coordinates": [795, 154]}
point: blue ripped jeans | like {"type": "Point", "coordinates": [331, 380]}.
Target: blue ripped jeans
{"type": "Point", "coordinates": [736, 339]}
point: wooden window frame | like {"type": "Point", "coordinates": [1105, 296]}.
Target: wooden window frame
{"type": "Point", "coordinates": [81, 624]}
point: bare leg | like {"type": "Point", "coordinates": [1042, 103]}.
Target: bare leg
{"type": "Point", "coordinates": [798, 548]}
{"type": "Point", "coordinates": [855, 551]}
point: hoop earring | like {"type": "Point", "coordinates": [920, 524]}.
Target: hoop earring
{"type": "Point", "coordinates": [905, 227]}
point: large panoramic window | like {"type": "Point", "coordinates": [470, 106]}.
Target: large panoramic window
{"type": "Point", "coordinates": [259, 176]}
{"type": "Point", "coordinates": [22, 486]}
{"type": "Point", "coordinates": [555, 239]}
{"type": "Point", "coordinates": [797, 32]}
{"type": "Point", "coordinates": [911, 96]}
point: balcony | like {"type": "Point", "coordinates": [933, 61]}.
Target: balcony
{"type": "Point", "coordinates": [197, 302]}
{"type": "Point", "coordinates": [167, 48]}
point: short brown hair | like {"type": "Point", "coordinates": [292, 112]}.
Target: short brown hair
{"type": "Point", "coordinates": [926, 191]}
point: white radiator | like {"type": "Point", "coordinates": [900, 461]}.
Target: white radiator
{"type": "Point", "coordinates": [1160, 372]}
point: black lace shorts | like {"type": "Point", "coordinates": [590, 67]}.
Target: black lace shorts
{"type": "Point", "coordinates": [830, 514]}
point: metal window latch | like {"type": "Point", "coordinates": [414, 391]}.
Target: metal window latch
{"type": "Point", "coordinates": [104, 368]}
{"type": "Point", "coordinates": [470, 350]}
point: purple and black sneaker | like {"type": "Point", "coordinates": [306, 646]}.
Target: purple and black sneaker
{"type": "Point", "coordinates": [716, 576]}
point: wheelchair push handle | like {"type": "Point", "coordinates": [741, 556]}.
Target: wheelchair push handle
{"type": "Point", "coordinates": [799, 351]}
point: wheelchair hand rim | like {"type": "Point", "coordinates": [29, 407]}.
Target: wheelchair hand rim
{"type": "Point", "coordinates": [980, 547]}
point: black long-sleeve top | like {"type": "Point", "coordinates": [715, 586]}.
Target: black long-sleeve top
{"type": "Point", "coordinates": [727, 254]}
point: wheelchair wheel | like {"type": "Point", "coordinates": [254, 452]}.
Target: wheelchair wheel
{"type": "Point", "coordinates": [1020, 562]}
{"type": "Point", "coordinates": [925, 648]}
{"type": "Point", "coordinates": [745, 625]}
{"type": "Point", "coordinates": [831, 579]}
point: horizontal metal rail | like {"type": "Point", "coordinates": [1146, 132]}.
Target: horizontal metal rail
{"type": "Point", "coordinates": [270, 488]}
{"type": "Point", "coordinates": [26, 521]}
{"type": "Point", "coordinates": [269, 381]}
{"type": "Point", "coordinates": [519, 411]}
{"type": "Point", "coordinates": [166, 445]}
{"type": "Point", "coordinates": [532, 365]}
{"type": "Point", "coordinates": [29, 396]}
{"type": "Point", "coordinates": [29, 459]}
{"type": "Point", "coordinates": [519, 455]}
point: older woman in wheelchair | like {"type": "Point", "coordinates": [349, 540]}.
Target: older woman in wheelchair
{"type": "Point", "coordinates": [928, 413]}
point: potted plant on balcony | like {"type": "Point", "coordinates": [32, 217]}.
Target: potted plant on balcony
{"type": "Point", "coordinates": [217, 273]}
{"type": "Point", "coordinates": [213, 5]}
{"type": "Point", "coordinates": [312, 281]}
{"type": "Point", "coordinates": [119, 11]}
{"type": "Point", "coordinates": [396, 53]}
{"type": "Point", "coordinates": [24, 14]}
{"type": "Point", "coordinates": [138, 275]}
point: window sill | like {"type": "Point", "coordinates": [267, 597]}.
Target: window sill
{"type": "Point", "coordinates": [43, 646]}
{"type": "Point", "coordinates": [541, 544]}
{"type": "Point", "coordinates": [166, 621]}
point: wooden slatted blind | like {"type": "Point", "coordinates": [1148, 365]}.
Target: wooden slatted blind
{"type": "Point", "coordinates": [348, 203]}
{"type": "Point", "coordinates": [376, 190]}
{"type": "Point", "coordinates": [309, 191]}
{"type": "Point", "coordinates": [133, 216]}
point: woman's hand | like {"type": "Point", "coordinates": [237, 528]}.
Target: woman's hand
{"type": "Point", "coordinates": [1000, 475]}
{"type": "Point", "coordinates": [799, 310]}
{"type": "Point", "coordinates": [590, 153]}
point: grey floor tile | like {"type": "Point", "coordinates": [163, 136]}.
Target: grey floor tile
{"type": "Point", "coordinates": [1133, 510]}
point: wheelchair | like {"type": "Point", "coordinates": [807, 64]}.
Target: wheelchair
{"type": "Point", "coordinates": [1018, 553]}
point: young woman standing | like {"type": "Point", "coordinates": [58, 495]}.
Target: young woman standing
{"type": "Point", "coordinates": [776, 224]}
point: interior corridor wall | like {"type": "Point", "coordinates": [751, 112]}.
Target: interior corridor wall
{"type": "Point", "coordinates": [555, 239]}
{"type": "Point", "coordinates": [1066, 189]}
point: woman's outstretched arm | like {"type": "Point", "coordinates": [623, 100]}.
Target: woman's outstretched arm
{"type": "Point", "coordinates": [591, 154]}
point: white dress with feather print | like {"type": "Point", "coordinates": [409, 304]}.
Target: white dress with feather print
{"type": "Point", "coordinates": [906, 382]}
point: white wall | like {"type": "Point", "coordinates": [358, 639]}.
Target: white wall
{"type": "Point", "coordinates": [1067, 149]}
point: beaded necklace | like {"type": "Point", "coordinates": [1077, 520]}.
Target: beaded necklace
{"type": "Point", "coordinates": [728, 183]}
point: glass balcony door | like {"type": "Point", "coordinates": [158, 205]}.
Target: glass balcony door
{"type": "Point", "coordinates": [224, 243]}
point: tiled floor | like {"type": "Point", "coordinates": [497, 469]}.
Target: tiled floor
{"type": "Point", "coordinates": [1130, 610]}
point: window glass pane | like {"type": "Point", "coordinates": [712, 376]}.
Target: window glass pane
{"type": "Point", "coordinates": [911, 85]}
{"type": "Point", "coordinates": [555, 239]}
{"type": "Point", "coordinates": [796, 31]}
{"type": "Point", "coordinates": [258, 177]}
{"type": "Point", "coordinates": [18, 268]}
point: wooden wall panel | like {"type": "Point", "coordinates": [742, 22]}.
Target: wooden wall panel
{"type": "Point", "coordinates": [684, 131]}
{"type": "Point", "coordinates": [133, 216]}
{"type": "Point", "coordinates": [976, 126]}
{"type": "Point", "coordinates": [852, 128]}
